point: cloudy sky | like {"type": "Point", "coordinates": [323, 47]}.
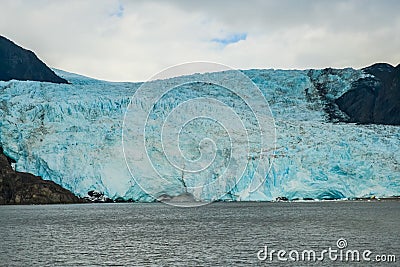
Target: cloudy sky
{"type": "Point", "coordinates": [133, 40]}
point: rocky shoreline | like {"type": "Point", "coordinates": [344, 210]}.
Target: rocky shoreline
{"type": "Point", "coordinates": [24, 188]}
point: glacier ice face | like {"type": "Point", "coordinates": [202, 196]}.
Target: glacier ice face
{"type": "Point", "coordinates": [71, 134]}
{"type": "Point", "coordinates": [203, 135]}
{"type": "Point", "coordinates": [67, 133]}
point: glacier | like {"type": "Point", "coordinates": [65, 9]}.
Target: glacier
{"type": "Point", "coordinates": [72, 134]}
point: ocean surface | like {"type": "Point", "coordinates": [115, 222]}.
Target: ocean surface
{"type": "Point", "coordinates": [219, 234]}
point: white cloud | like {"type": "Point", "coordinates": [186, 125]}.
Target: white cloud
{"type": "Point", "coordinates": [132, 40]}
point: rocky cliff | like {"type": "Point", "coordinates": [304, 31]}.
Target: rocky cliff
{"type": "Point", "coordinates": [25, 188]}
{"type": "Point", "coordinates": [374, 98]}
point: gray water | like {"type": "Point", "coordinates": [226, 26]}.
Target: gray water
{"type": "Point", "coordinates": [220, 234]}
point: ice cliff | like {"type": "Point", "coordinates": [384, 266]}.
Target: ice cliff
{"type": "Point", "coordinates": [72, 134]}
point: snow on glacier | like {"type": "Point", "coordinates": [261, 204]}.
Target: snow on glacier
{"type": "Point", "coordinates": [71, 134]}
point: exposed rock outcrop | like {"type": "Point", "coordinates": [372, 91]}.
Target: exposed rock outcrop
{"type": "Point", "coordinates": [25, 188]}
{"type": "Point", "coordinates": [371, 99]}
{"type": "Point", "coordinates": [376, 98]}
{"type": "Point", "coordinates": [98, 197]}
{"type": "Point", "coordinates": [17, 63]}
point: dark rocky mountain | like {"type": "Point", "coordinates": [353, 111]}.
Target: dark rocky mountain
{"type": "Point", "coordinates": [25, 188]}
{"type": "Point", "coordinates": [20, 64]}
{"type": "Point", "coordinates": [374, 99]}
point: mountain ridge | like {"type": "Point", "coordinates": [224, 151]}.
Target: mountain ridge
{"type": "Point", "coordinates": [21, 64]}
